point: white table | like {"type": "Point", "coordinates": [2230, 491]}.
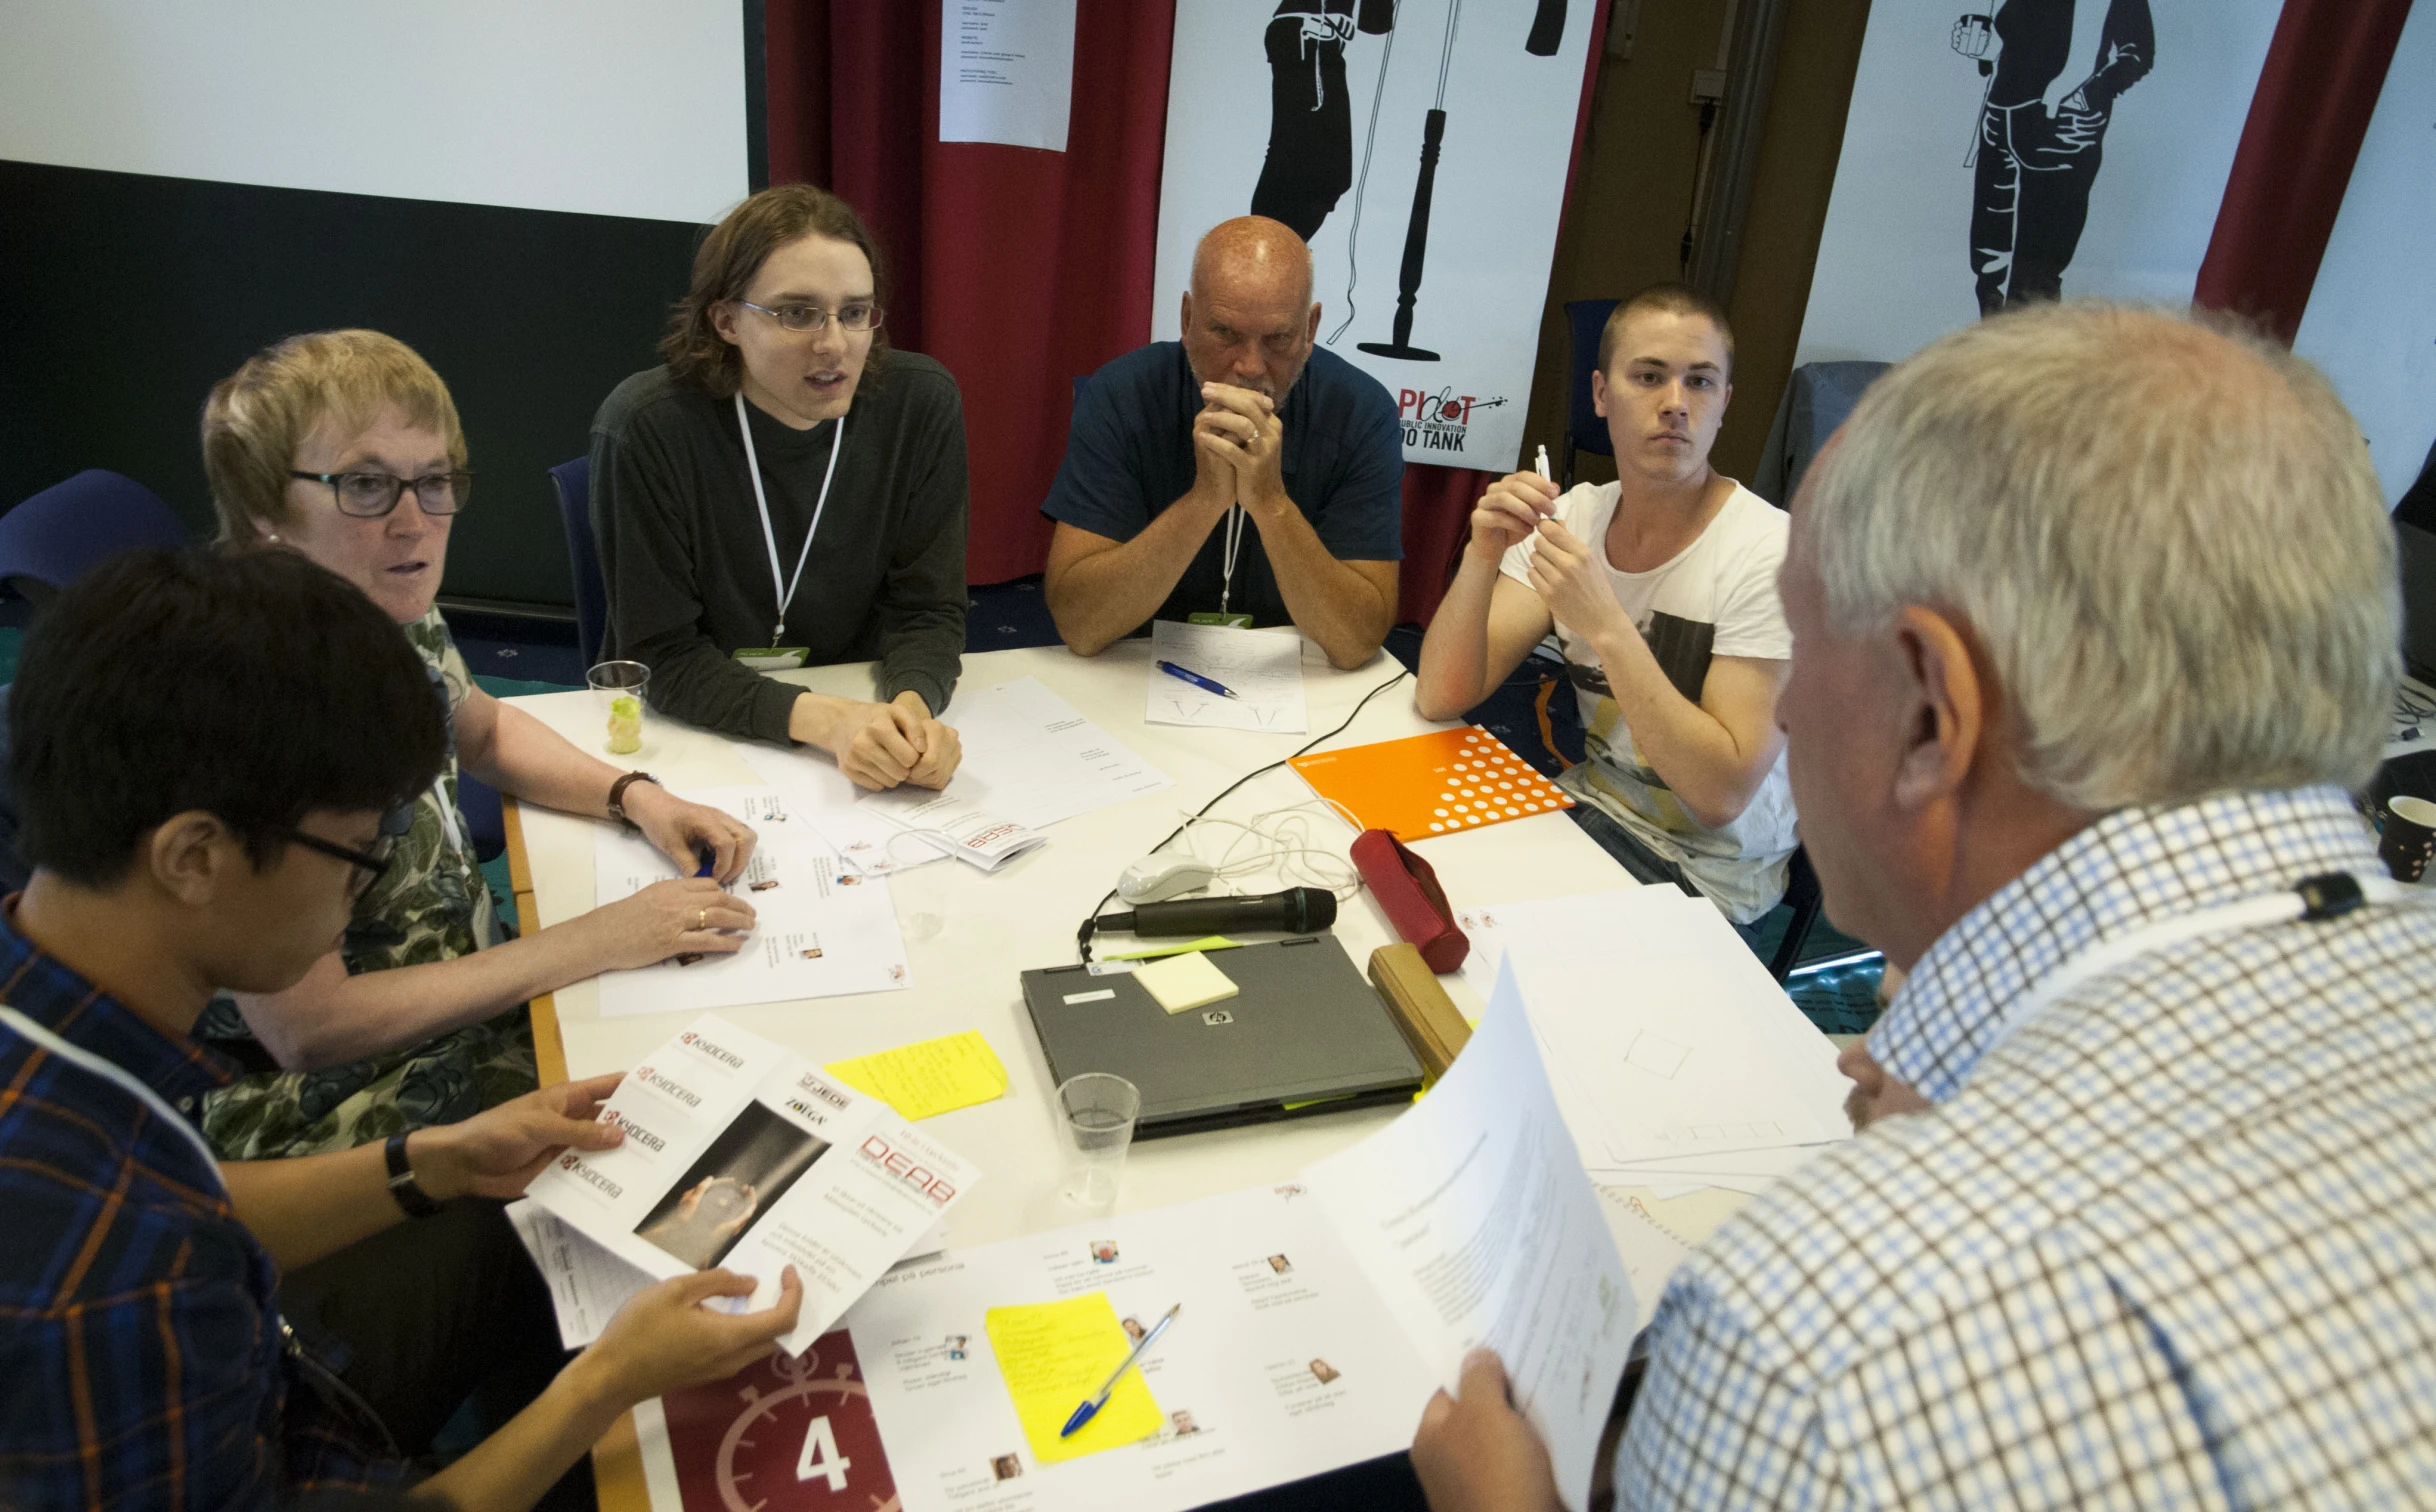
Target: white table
{"type": "Point", "coordinates": [1026, 915]}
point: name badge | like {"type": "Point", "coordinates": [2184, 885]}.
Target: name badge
{"type": "Point", "coordinates": [772, 658]}
{"type": "Point", "coordinates": [1238, 621]}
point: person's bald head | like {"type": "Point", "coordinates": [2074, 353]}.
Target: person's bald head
{"type": "Point", "coordinates": [1248, 318]}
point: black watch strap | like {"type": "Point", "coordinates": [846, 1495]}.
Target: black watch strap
{"type": "Point", "coordinates": [617, 794]}
{"type": "Point", "coordinates": [402, 1185]}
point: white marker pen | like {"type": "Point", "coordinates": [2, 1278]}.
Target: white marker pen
{"type": "Point", "coordinates": [1543, 463]}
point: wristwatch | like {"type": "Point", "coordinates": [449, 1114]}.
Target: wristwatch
{"type": "Point", "coordinates": [617, 793]}
{"type": "Point", "coordinates": [402, 1185]}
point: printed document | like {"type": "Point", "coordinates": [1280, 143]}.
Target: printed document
{"type": "Point", "coordinates": [740, 1153]}
{"type": "Point", "coordinates": [1317, 1317]}
{"type": "Point", "coordinates": [1006, 71]}
{"type": "Point", "coordinates": [821, 928]}
{"type": "Point", "coordinates": [1262, 668]}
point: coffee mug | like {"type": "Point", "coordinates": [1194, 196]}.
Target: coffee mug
{"type": "Point", "coordinates": [2410, 837]}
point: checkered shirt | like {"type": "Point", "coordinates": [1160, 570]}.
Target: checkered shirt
{"type": "Point", "coordinates": [2172, 1244]}
{"type": "Point", "coordinates": [140, 1356]}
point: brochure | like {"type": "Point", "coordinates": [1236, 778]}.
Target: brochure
{"type": "Point", "coordinates": [1317, 1317]}
{"type": "Point", "coordinates": [741, 1153]}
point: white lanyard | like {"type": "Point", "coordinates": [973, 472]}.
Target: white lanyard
{"type": "Point", "coordinates": [109, 1071]}
{"type": "Point", "coordinates": [1234, 541]}
{"type": "Point", "coordinates": [752, 462]}
{"type": "Point", "coordinates": [2274, 908]}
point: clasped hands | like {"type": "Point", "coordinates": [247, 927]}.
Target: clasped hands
{"type": "Point", "coordinates": [880, 745]}
{"type": "Point", "coordinates": [1238, 449]}
{"type": "Point", "coordinates": [1566, 571]}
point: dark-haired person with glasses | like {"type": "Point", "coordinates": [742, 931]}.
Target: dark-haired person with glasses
{"type": "Point", "coordinates": [785, 491]}
{"type": "Point", "coordinates": [345, 447]}
{"type": "Point", "coordinates": [204, 749]}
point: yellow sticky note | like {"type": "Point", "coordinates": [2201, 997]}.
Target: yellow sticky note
{"type": "Point", "coordinates": [932, 1076]}
{"type": "Point", "coordinates": [1185, 981]}
{"type": "Point", "coordinates": [1152, 953]}
{"type": "Point", "coordinates": [1055, 1356]}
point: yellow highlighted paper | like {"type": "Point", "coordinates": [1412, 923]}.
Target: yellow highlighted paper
{"type": "Point", "coordinates": [1152, 953]}
{"type": "Point", "coordinates": [1054, 1356]}
{"type": "Point", "coordinates": [932, 1076]}
{"type": "Point", "coordinates": [1185, 981]}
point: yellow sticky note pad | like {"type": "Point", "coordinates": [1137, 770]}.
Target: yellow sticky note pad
{"type": "Point", "coordinates": [1185, 981]}
{"type": "Point", "coordinates": [932, 1076]}
{"type": "Point", "coordinates": [1054, 1356]}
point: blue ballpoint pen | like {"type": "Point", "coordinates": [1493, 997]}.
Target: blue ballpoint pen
{"type": "Point", "coordinates": [1209, 684]}
{"type": "Point", "coordinates": [1099, 1399]}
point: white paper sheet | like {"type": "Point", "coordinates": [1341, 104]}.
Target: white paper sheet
{"type": "Point", "coordinates": [1029, 757]}
{"type": "Point", "coordinates": [1006, 71]}
{"type": "Point", "coordinates": [588, 1284]}
{"type": "Point", "coordinates": [956, 825]}
{"type": "Point", "coordinates": [1674, 1055]}
{"type": "Point", "coordinates": [1240, 1366]}
{"type": "Point", "coordinates": [740, 1153]}
{"type": "Point", "coordinates": [821, 929]}
{"type": "Point", "coordinates": [1262, 668]}
{"type": "Point", "coordinates": [1472, 1218]}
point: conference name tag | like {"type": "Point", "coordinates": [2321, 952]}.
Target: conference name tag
{"type": "Point", "coordinates": [1206, 617]}
{"type": "Point", "coordinates": [772, 658]}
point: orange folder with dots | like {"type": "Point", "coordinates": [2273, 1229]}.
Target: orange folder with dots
{"type": "Point", "coordinates": [1431, 784]}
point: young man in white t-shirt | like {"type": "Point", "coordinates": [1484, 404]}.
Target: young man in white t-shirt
{"type": "Point", "coordinates": [1661, 588]}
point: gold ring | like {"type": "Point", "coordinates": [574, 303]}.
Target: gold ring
{"type": "Point", "coordinates": [701, 918]}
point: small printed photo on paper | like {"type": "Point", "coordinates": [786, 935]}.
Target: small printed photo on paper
{"type": "Point", "coordinates": [1007, 1466]}
{"type": "Point", "coordinates": [1103, 1252]}
{"type": "Point", "coordinates": [743, 1174]}
{"type": "Point", "coordinates": [1324, 1371]}
{"type": "Point", "coordinates": [1281, 1265]}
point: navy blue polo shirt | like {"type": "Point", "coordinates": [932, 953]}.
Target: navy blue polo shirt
{"type": "Point", "coordinates": [1130, 455]}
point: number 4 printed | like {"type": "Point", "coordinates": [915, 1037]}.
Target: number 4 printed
{"type": "Point", "coordinates": [820, 1456]}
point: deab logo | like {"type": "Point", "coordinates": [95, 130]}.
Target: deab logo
{"type": "Point", "coordinates": [1439, 421]}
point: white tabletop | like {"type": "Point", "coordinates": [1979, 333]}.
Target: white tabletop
{"type": "Point", "coordinates": [1026, 915]}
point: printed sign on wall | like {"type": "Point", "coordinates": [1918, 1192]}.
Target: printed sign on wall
{"type": "Point", "coordinates": [1420, 147]}
{"type": "Point", "coordinates": [1999, 151]}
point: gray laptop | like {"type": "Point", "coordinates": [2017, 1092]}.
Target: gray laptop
{"type": "Point", "coordinates": [1304, 1035]}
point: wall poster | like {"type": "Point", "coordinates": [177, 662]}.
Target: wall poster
{"type": "Point", "coordinates": [1421, 148]}
{"type": "Point", "coordinates": [1998, 151]}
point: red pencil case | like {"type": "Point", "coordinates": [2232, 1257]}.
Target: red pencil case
{"type": "Point", "coordinates": [1408, 889]}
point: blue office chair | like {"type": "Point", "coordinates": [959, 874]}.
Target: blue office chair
{"type": "Point", "coordinates": [573, 480]}
{"type": "Point", "coordinates": [1584, 430]}
{"type": "Point", "coordinates": [54, 537]}
{"type": "Point", "coordinates": [485, 819]}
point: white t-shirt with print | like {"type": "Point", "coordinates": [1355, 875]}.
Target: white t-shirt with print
{"type": "Point", "coordinates": [1716, 597]}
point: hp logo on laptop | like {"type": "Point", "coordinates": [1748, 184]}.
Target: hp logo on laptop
{"type": "Point", "coordinates": [1217, 1016]}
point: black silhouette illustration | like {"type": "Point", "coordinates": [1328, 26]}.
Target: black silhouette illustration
{"type": "Point", "coordinates": [2034, 168]}
{"type": "Point", "coordinates": [1310, 161]}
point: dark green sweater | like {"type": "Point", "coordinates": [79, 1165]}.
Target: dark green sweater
{"type": "Point", "coordinates": [688, 572]}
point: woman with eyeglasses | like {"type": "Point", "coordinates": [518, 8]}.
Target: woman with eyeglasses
{"type": "Point", "coordinates": [344, 446]}
{"type": "Point", "coordinates": [785, 491]}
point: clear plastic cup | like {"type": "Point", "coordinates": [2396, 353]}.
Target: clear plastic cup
{"type": "Point", "coordinates": [620, 686]}
{"type": "Point", "coordinates": [1095, 1116]}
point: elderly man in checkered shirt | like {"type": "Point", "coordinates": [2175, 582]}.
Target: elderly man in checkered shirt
{"type": "Point", "coordinates": [2095, 624]}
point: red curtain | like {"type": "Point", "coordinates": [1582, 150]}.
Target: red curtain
{"type": "Point", "coordinates": [2310, 111]}
{"type": "Point", "coordinates": [1023, 270]}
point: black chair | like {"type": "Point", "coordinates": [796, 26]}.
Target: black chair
{"type": "Point", "coordinates": [1802, 896]}
{"type": "Point", "coordinates": [573, 481]}
{"type": "Point", "coordinates": [1818, 398]}
{"type": "Point", "coordinates": [485, 818]}
{"type": "Point", "coordinates": [53, 537]}
{"type": "Point", "coordinates": [1584, 430]}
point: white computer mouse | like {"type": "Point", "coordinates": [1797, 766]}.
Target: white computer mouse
{"type": "Point", "coordinates": [1155, 877]}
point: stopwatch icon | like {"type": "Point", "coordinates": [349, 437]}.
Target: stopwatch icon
{"type": "Point", "coordinates": [805, 1438]}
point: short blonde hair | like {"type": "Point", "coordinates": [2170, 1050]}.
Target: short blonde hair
{"type": "Point", "coordinates": [2165, 529]}
{"type": "Point", "coordinates": [257, 417]}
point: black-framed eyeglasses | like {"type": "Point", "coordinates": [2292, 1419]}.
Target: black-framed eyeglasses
{"type": "Point", "coordinates": [370, 495]}
{"type": "Point", "coordinates": [857, 318]}
{"type": "Point", "coordinates": [369, 865]}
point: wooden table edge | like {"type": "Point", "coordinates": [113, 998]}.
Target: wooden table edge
{"type": "Point", "coordinates": [617, 1460]}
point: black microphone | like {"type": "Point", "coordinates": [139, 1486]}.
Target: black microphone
{"type": "Point", "coordinates": [1295, 911]}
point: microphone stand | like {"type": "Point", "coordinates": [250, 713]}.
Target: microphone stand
{"type": "Point", "coordinates": [1416, 231]}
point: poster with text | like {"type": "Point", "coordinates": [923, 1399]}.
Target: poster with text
{"type": "Point", "coordinates": [1999, 151]}
{"type": "Point", "coordinates": [1420, 147]}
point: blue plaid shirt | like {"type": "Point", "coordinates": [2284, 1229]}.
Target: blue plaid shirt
{"type": "Point", "coordinates": [2173, 1243]}
{"type": "Point", "coordinates": [140, 1357]}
